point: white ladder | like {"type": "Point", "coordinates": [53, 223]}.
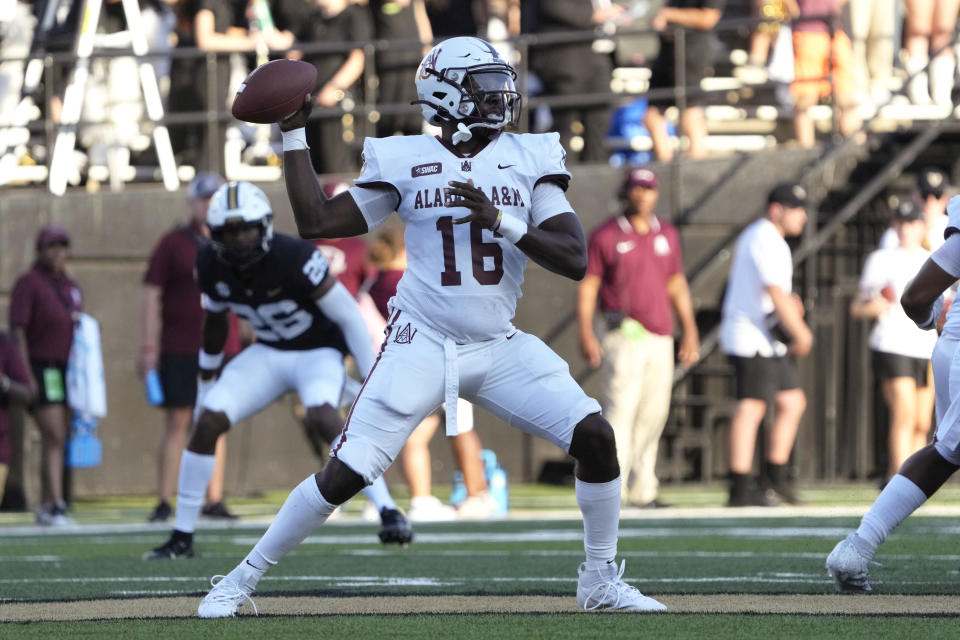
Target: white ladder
{"type": "Point", "coordinates": [73, 96]}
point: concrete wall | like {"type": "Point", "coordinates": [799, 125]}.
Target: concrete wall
{"type": "Point", "coordinates": [113, 233]}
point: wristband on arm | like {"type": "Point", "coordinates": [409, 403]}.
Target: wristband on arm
{"type": "Point", "coordinates": [931, 322]}
{"type": "Point", "coordinates": [210, 361]}
{"type": "Point", "coordinates": [295, 139]}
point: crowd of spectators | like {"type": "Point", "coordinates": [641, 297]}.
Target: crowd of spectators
{"type": "Point", "coordinates": [840, 52]}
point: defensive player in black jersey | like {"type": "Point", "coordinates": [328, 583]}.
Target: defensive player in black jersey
{"type": "Point", "coordinates": [305, 322]}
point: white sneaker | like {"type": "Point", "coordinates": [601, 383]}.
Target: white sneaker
{"type": "Point", "coordinates": [604, 588]}
{"type": "Point", "coordinates": [226, 598]}
{"type": "Point", "coordinates": [477, 507]}
{"type": "Point", "coordinates": [848, 567]}
{"type": "Point", "coordinates": [430, 509]}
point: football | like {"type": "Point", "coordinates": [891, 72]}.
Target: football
{"type": "Point", "coordinates": [273, 91]}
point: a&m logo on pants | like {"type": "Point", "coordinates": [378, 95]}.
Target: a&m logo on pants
{"type": "Point", "coordinates": [405, 335]}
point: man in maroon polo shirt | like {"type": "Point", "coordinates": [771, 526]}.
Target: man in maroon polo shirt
{"type": "Point", "coordinates": [635, 264]}
{"type": "Point", "coordinates": [171, 320]}
{"type": "Point", "coordinates": [44, 304]}
{"type": "Point", "coordinates": [14, 387]}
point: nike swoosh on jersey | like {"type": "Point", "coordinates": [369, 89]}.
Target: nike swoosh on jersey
{"type": "Point", "coordinates": [512, 334]}
{"type": "Point", "coordinates": [624, 247]}
{"type": "Point", "coordinates": [505, 166]}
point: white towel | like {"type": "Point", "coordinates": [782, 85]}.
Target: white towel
{"type": "Point", "coordinates": [86, 387]}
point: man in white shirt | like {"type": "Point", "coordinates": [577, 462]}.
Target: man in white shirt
{"type": "Point", "coordinates": [762, 331]}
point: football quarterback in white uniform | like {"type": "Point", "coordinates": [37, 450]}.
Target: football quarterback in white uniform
{"type": "Point", "coordinates": [477, 203]}
{"type": "Point", "coordinates": [923, 473]}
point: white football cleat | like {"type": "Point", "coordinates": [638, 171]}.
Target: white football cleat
{"type": "Point", "coordinates": [604, 588]}
{"type": "Point", "coordinates": [225, 599]}
{"type": "Point", "coordinates": [848, 567]}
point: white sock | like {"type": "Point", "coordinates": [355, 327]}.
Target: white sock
{"type": "Point", "coordinates": [304, 510]}
{"type": "Point", "coordinates": [899, 499]}
{"type": "Point", "coordinates": [379, 495]}
{"type": "Point", "coordinates": [600, 504]}
{"type": "Point", "coordinates": [196, 469]}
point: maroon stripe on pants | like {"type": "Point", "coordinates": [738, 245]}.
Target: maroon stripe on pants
{"type": "Point", "coordinates": [383, 345]}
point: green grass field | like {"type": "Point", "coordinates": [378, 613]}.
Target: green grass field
{"type": "Point", "coordinates": [750, 557]}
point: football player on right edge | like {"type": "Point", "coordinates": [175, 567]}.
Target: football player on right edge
{"type": "Point", "coordinates": [923, 473]}
{"type": "Point", "coordinates": [477, 202]}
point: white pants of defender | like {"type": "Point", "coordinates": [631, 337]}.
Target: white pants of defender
{"type": "Point", "coordinates": [516, 377]}
{"type": "Point", "coordinates": [638, 381]}
{"type": "Point", "coordinates": [261, 374]}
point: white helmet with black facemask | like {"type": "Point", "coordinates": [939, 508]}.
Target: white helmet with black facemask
{"type": "Point", "coordinates": [235, 208]}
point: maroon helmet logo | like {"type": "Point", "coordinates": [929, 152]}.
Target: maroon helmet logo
{"type": "Point", "coordinates": [429, 63]}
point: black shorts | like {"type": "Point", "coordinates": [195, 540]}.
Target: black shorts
{"type": "Point", "coordinates": [178, 377]}
{"type": "Point", "coordinates": [663, 75]}
{"type": "Point", "coordinates": [887, 366]}
{"type": "Point", "coordinates": [49, 390]}
{"type": "Point", "coordinates": [762, 378]}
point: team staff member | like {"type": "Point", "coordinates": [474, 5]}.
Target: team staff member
{"type": "Point", "coordinates": [759, 297]}
{"type": "Point", "coordinates": [14, 387]}
{"type": "Point", "coordinates": [901, 351]}
{"type": "Point", "coordinates": [171, 322]}
{"type": "Point", "coordinates": [635, 264]}
{"type": "Point", "coordinates": [43, 307]}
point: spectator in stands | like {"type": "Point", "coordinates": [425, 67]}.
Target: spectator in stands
{"type": "Point", "coordinates": [697, 18]}
{"type": "Point", "coordinates": [390, 256]}
{"type": "Point", "coordinates": [399, 20]}
{"type": "Point", "coordinates": [933, 187]}
{"type": "Point", "coordinates": [15, 387]}
{"type": "Point", "coordinates": [822, 58]}
{"type": "Point", "coordinates": [449, 18]}
{"type": "Point", "coordinates": [218, 26]}
{"type": "Point", "coordinates": [44, 304]}
{"type": "Point", "coordinates": [901, 351]}
{"type": "Point", "coordinates": [338, 74]}
{"type": "Point", "coordinates": [762, 331]}
{"type": "Point", "coordinates": [764, 36]}
{"type": "Point", "coordinates": [872, 26]}
{"type": "Point", "coordinates": [930, 26]}
{"type": "Point", "coordinates": [635, 264]}
{"type": "Point", "coordinates": [569, 69]}
{"type": "Point", "coordinates": [171, 322]}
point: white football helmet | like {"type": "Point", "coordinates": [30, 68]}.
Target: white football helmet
{"type": "Point", "coordinates": [235, 207]}
{"type": "Point", "coordinates": [464, 80]}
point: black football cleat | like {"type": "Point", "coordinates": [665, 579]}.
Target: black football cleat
{"type": "Point", "coordinates": [174, 548]}
{"type": "Point", "coordinates": [217, 510]}
{"type": "Point", "coordinates": [394, 528]}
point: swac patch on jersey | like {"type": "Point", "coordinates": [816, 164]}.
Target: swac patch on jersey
{"type": "Point", "coordinates": [430, 169]}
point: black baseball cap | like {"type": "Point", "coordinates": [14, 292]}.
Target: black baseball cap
{"type": "Point", "coordinates": [931, 181]}
{"type": "Point", "coordinates": [788, 194]}
{"type": "Point", "coordinates": [907, 211]}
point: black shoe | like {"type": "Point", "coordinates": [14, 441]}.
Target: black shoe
{"type": "Point", "coordinates": [785, 493]}
{"type": "Point", "coordinates": [161, 513]}
{"type": "Point", "coordinates": [754, 497]}
{"type": "Point", "coordinates": [394, 527]}
{"type": "Point", "coordinates": [172, 549]}
{"type": "Point", "coordinates": [653, 504]}
{"type": "Point", "coordinates": [217, 510]}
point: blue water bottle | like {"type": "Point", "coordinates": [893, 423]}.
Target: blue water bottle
{"type": "Point", "coordinates": [459, 493]}
{"type": "Point", "coordinates": [496, 481]}
{"type": "Point", "coordinates": [154, 388]}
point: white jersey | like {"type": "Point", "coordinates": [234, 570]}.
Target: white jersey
{"type": "Point", "coordinates": [761, 258]}
{"type": "Point", "coordinates": [894, 332]}
{"type": "Point", "coordinates": [462, 280]}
